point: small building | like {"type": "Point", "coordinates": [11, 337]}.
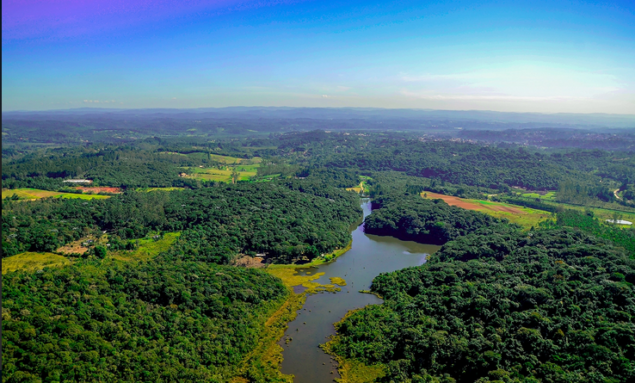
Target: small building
{"type": "Point", "coordinates": [79, 181]}
{"type": "Point", "coordinates": [619, 222]}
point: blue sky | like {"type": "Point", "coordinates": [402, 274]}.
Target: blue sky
{"type": "Point", "coordinates": [548, 57]}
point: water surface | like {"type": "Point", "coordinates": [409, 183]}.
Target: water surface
{"type": "Point", "coordinates": [369, 256]}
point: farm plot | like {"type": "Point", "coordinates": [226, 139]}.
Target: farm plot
{"type": "Point", "coordinates": [523, 216]}
{"type": "Point", "coordinates": [224, 174]}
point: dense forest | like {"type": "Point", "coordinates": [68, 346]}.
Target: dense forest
{"type": "Point", "coordinates": [284, 220]}
{"type": "Point", "coordinates": [623, 237]}
{"type": "Point", "coordinates": [164, 321]}
{"type": "Point", "coordinates": [553, 305]}
{"type": "Point", "coordinates": [427, 221]}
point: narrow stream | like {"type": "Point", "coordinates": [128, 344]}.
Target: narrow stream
{"type": "Point", "coordinates": [369, 256]}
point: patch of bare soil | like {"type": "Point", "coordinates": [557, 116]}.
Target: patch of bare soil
{"type": "Point", "coordinates": [98, 189]}
{"type": "Point", "coordinates": [73, 248]}
{"type": "Point", "coordinates": [454, 201]}
{"type": "Point", "coordinates": [250, 262]}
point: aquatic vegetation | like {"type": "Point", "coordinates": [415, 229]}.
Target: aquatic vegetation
{"type": "Point", "coordinates": [338, 281]}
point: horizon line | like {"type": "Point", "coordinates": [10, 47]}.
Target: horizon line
{"type": "Point", "coordinates": [312, 107]}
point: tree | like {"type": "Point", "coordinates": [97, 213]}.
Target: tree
{"type": "Point", "coordinates": [100, 252]}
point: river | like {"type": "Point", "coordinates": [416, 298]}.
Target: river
{"type": "Point", "coordinates": [369, 256]}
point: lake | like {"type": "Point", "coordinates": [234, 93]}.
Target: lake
{"type": "Point", "coordinates": [369, 256]}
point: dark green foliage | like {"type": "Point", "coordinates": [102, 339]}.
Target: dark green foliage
{"type": "Point", "coordinates": [532, 204]}
{"type": "Point", "coordinates": [428, 221]}
{"type": "Point", "coordinates": [341, 178]}
{"type": "Point", "coordinates": [166, 320]}
{"type": "Point", "coordinates": [460, 164]}
{"type": "Point", "coordinates": [554, 305]}
{"type": "Point", "coordinates": [624, 237]}
{"type": "Point", "coordinates": [45, 225]}
{"type": "Point", "coordinates": [100, 252]}
{"type": "Point", "coordinates": [285, 221]}
{"type": "Point", "coordinates": [574, 193]}
{"type": "Point", "coordinates": [281, 219]}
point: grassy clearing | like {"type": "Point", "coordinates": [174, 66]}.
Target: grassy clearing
{"type": "Point", "coordinates": [148, 248]}
{"type": "Point", "coordinates": [32, 261]}
{"type": "Point", "coordinates": [529, 218]}
{"type": "Point", "coordinates": [549, 196]}
{"type": "Point", "coordinates": [159, 189]}
{"type": "Point", "coordinates": [245, 172]}
{"type": "Point", "coordinates": [361, 188]}
{"type": "Point", "coordinates": [31, 194]}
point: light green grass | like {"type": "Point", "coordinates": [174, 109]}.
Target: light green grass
{"type": "Point", "coordinates": [148, 248]}
{"type": "Point", "coordinates": [223, 175]}
{"type": "Point", "coordinates": [32, 261]}
{"type": "Point", "coordinates": [160, 189]}
{"type": "Point", "coordinates": [31, 194]}
{"type": "Point", "coordinates": [550, 196]}
{"type": "Point", "coordinates": [527, 218]}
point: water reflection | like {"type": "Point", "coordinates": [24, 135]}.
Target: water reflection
{"type": "Point", "coordinates": [369, 256]}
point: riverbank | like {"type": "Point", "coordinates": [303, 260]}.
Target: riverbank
{"type": "Point", "coordinates": [322, 260]}
{"type": "Point", "coordinates": [351, 370]}
{"type": "Point", "coordinates": [352, 270]}
{"type": "Point", "coordinates": [265, 360]}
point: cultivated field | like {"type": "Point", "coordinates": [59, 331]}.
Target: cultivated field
{"type": "Point", "coordinates": [98, 189]}
{"type": "Point", "coordinates": [31, 194]}
{"type": "Point", "coordinates": [523, 216]}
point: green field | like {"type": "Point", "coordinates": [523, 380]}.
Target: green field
{"type": "Point", "coordinates": [32, 261]}
{"type": "Point", "coordinates": [223, 175]}
{"type": "Point", "coordinates": [148, 248]}
{"type": "Point", "coordinates": [160, 189]}
{"type": "Point", "coordinates": [550, 196]}
{"type": "Point", "coordinates": [31, 194]}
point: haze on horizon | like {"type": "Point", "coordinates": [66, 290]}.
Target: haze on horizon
{"type": "Point", "coordinates": [538, 56]}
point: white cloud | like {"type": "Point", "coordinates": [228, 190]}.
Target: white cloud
{"type": "Point", "coordinates": [325, 96]}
